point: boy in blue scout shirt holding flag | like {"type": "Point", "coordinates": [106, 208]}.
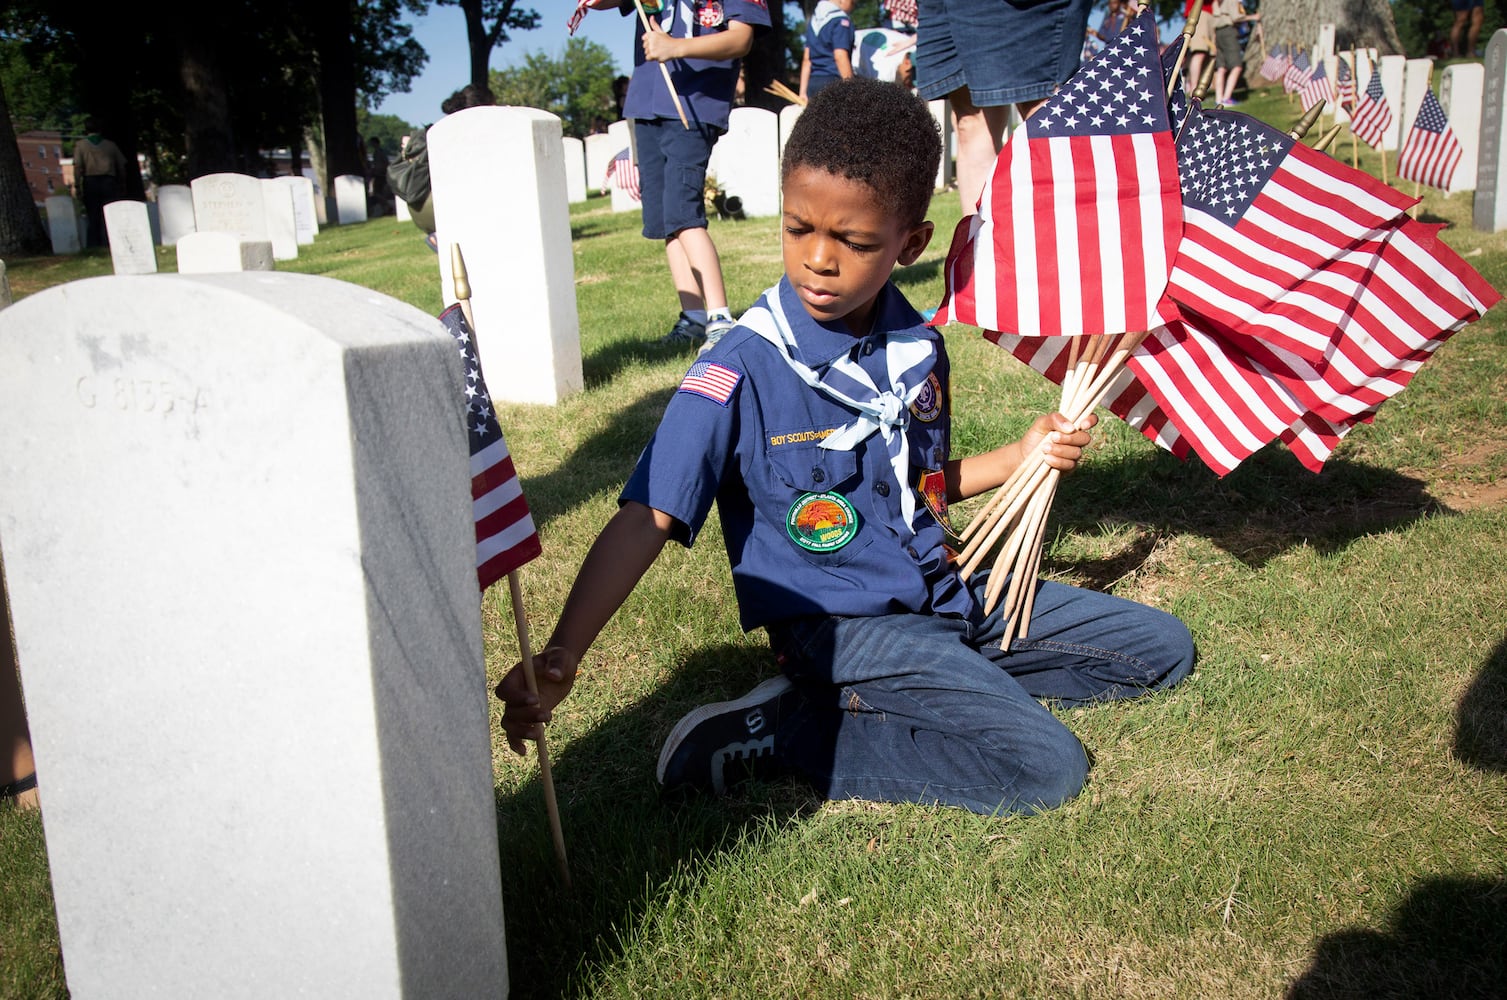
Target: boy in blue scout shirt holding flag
{"type": "Point", "coordinates": [821, 427]}
{"type": "Point", "coordinates": [701, 42]}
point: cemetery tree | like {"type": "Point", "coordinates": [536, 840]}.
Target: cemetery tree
{"type": "Point", "coordinates": [21, 229]}
{"type": "Point", "coordinates": [577, 86]}
{"type": "Point", "coordinates": [487, 25]}
{"type": "Point", "coordinates": [1357, 24]}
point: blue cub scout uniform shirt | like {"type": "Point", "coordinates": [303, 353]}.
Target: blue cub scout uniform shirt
{"type": "Point", "coordinates": [705, 86]}
{"type": "Point", "coordinates": [829, 29]}
{"type": "Point", "coordinates": [744, 430]}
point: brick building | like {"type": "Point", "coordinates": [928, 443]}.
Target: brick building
{"type": "Point", "coordinates": [47, 172]}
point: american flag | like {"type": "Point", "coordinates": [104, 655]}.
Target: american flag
{"type": "Point", "coordinates": [902, 13]}
{"type": "Point", "coordinates": [1431, 152]}
{"type": "Point", "coordinates": [505, 534]}
{"type": "Point", "coordinates": [575, 16]}
{"type": "Point", "coordinates": [1344, 93]}
{"type": "Point", "coordinates": [1271, 232]}
{"type": "Point", "coordinates": [1373, 118]}
{"type": "Point", "coordinates": [1076, 227]}
{"type": "Point", "coordinates": [710, 379]}
{"type": "Point", "coordinates": [1297, 73]}
{"type": "Point", "coordinates": [1317, 89]}
{"type": "Point", "coordinates": [1191, 388]}
{"type": "Point", "coordinates": [622, 173]}
{"type": "Point", "coordinates": [1275, 63]}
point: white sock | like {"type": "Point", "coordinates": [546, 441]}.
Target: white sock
{"type": "Point", "coordinates": [723, 313]}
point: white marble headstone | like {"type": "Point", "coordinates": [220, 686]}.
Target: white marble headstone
{"type": "Point", "coordinates": [1393, 70]}
{"type": "Point", "coordinates": [622, 198]}
{"type": "Point", "coordinates": [747, 161]}
{"type": "Point", "coordinates": [175, 205]}
{"type": "Point", "coordinates": [63, 224]}
{"type": "Point", "coordinates": [499, 192]}
{"type": "Point", "coordinates": [350, 199]}
{"type": "Point", "coordinates": [321, 199]}
{"type": "Point", "coordinates": [262, 726]}
{"type": "Point", "coordinates": [401, 211]}
{"type": "Point", "coordinates": [218, 253]}
{"type": "Point", "coordinates": [600, 149]}
{"type": "Point", "coordinates": [574, 152]}
{"type": "Point", "coordinates": [788, 114]}
{"type": "Point", "coordinates": [230, 203]}
{"type": "Point", "coordinates": [943, 117]}
{"type": "Point", "coordinates": [1416, 78]}
{"type": "Point", "coordinates": [130, 234]}
{"type": "Point", "coordinates": [305, 218]}
{"type": "Point", "coordinates": [1489, 213]}
{"type": "Point", "coordinates": [1460, 94]}
{"type": "Point", "coordinates": [1325, 47]}
{"type": "Point", "coordinates": [282, 225]}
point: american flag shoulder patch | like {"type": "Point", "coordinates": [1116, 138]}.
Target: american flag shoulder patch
{"type": "Point", "coordinates": [712, 379]}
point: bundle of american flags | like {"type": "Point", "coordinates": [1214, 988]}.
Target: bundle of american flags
{"type": "Point", "coordinates": [1300, 295]}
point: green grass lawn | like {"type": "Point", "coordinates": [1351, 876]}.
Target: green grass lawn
{"type": "Point", "coordinates": [1319, 811]}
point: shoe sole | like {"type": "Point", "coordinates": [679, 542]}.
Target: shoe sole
{"type": "Point", "coordinates": [764, 692]}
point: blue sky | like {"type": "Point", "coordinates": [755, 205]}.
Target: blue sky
{"type": "Point", "coordinates": [442, 32]}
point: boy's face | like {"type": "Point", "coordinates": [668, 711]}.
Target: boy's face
{"type": "Point", "coordinates": [840, 246]}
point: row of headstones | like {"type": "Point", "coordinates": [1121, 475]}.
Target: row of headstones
{"type": "Point", "coordinates": [1471, 95]}
{"type": "Point", "coordinates": [745, 161]}
{"type": "Point", "coordinates": [219, 222]}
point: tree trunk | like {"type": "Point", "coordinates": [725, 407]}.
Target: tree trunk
{"type": "Point", "coordinates": [21, 229]}
{"type": "Point", "coordinates": [333, 22]}
{"type": "Point", "coordinates": [479, 42]}
{"type": "Point", "coordinates": [1357, 24]}
{"type": "Point", "coordinates": [209, 143]}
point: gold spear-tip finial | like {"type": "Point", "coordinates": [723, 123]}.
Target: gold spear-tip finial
{"type": "Point", "coordinates": [458, 273]}
{"type": "Point", "coordinates": [1328, 137]}
{"type": "Point", "coordinates": [1305, 123]}
{"type": "Point", "coordinates": [1202, 90]}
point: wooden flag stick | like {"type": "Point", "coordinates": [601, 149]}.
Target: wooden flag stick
{"type": "Point", "coordinates": [462, 285]}
{"type": "Point", "coordinates": [1355, 83]}
{"type": "Point", "coordinates": [665, 70]}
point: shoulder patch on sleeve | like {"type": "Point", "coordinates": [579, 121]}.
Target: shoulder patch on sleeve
{"type": "Point", "coordinates": [712, 379]}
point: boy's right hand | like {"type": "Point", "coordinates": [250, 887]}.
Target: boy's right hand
{"type": "Point", "coordinates": [524, 714]}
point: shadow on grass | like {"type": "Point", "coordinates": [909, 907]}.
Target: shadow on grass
{"type": "Point", "coordinates": [607, 362]}
{"type": "Point", "coordinates": [1268, 505]}
{"type": "Point", "coordinates": [1448, 938]}
{"type": "Point", "coordinates": [627, 846]}
{"type": "Point", "coordinates": [1481, 719]}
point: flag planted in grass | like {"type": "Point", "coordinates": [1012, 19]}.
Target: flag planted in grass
{"type": "Point", "coordinates": [1373, 118]}
{"type": "Point", "coordinates": [505, 533]}
{"type": "Point", "coordinates": [1431, 152]}
{"type": "Point", "coordinates": [1297, 74]}
{"type": "Point", "coordinates": [1076, 226]}
{"type": "Point", "coordinates": [1317, 89]}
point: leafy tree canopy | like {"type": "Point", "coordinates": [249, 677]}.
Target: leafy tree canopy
{"type": "Point", "coordinates": [575, 85]}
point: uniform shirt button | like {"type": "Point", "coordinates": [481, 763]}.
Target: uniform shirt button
{"type": "Point", "coordinates": [868, 348]}
{"type": "Point", "coordinates": [882, 488]}
{"type": "Point", "coordinates": [818, 476]}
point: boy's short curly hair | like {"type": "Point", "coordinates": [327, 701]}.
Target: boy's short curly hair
{"type": "Point", "coordinates": [877, 133]}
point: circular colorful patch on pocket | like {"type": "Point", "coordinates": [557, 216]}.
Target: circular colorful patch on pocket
{"type": "Point", "coordinates": [821, 522]}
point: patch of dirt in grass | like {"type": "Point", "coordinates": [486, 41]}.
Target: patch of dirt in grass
{"type": "Point", "coordinates": [1454, 483]}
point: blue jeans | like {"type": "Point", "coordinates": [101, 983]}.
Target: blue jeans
{"type": "Point", "coordinates": [924, 708]}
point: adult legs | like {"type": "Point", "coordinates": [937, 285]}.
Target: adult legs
{"type": "Point", "coordinates": [980, 133]}
{"type": "Point", "coordinates": [1225, 90]}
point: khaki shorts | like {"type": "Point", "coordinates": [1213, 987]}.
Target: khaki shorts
{"type": "Point", "coordinates": [1203, 34]}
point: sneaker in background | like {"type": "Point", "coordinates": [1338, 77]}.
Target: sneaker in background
{"type": "Point", "coordinates": [715, 330]}
{"type": "Point", "coordinates": [719, 745]}
{"type": "Point", "coordinates": [685, 331]}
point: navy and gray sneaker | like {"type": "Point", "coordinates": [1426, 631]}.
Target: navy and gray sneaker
{"type": "Point", "coordinates": [715, 330]}
{"type": "Point", "coordinates": [718, 745]}
{"type": "Point", "coordinates": [685, 331]}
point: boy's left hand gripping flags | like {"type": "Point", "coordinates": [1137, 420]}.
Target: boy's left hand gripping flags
{"type": "Point", "coordinates": [505, 533]}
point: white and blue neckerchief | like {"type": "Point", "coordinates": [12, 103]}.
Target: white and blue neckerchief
{"type": "Point", "coordinates": [907, 357]}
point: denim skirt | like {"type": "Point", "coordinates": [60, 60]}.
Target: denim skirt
{"type": "Point", "coordinates": [1003, 51]}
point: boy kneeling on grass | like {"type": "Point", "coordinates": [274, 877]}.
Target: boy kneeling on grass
{"type": "Point", "coordinates": [821, 427]}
